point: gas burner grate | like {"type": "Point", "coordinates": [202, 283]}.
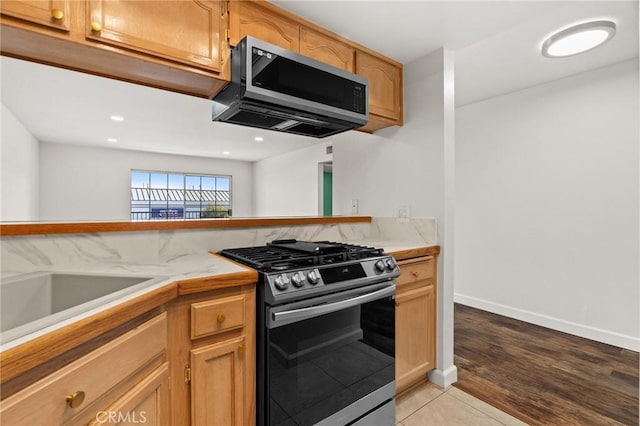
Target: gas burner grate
{"type": "Point", "coordinates": [283, 255]}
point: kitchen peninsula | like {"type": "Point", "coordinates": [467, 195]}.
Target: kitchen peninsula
{"type": "Point", "coordinates": [200, 318]}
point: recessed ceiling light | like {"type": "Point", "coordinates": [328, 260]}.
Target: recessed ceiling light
{"type": "Point", "coordinates": [117, 118]}
{"type": "Point", "coordinates": [112, 140]}
{"type": "Point", "coordinates": [258, 139]}
{"type": "Point", "coordinates": [578, 39]}
{"type": "Point", "coordinates": [226, 152]}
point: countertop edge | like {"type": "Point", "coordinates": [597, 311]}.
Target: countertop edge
{"type": "Point", "coordinates": [15, 229]}
{"type": "Point", "coordinates": [418, 251]}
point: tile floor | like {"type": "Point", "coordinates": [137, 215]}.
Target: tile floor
{"type": "Point", "coordinates": [428, 405]}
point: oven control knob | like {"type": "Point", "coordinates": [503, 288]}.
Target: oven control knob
{"type": "Point", "coordinates": [391, 264]}
{"type": "Point", "coordinates": [312, 277]}
{"type": "Point", "coordinates": [380, 266]}
{"type": "Point", "coordinates": [298, 279]}
{"type": "Point", "coordinates": [282, 282]}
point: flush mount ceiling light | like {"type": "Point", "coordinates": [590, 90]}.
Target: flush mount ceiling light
{"type": "Point", "coordinates": [117, 118]}
{"type": "Point", "coordinates": [578, 39]}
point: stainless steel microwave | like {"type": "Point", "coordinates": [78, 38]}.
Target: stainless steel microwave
{"type": "Point", "coordinates": [276, 89]}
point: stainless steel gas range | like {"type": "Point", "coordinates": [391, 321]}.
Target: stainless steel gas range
{"type": "Point", "coordinates": [325, 333]}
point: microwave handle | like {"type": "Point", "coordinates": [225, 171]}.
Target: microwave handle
{"type": "Point", "coordinates": [294, 315]}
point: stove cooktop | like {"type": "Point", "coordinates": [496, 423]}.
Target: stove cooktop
{"type": "Point", "coordinates": [283, 255]}
{"type": "Point", "coordinates": [292, 270]}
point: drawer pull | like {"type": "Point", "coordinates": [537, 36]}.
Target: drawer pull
{"type": "Point", "coordinates": [75, 399]}
{"type": "Point", "coordinates": [57, 14]}
{"type": "Point", "coordinates": [220, 318]}
{"type": "Point", "coordinates": [415, 274]}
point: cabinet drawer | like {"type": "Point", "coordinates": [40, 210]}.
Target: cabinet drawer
{"type": "Point", "coordinates": [414, 270]}
{"type": "Point", "coordinates": [88, 378]}
{"type": "Point", "coordinates": [216, 316]}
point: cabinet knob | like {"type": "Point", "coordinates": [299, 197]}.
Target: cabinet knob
{"type": "Point", "coordinates": [415, 274]}
{"type": "Point", "coordinates": [220, 318]}
{"type": "Point", "coordinates": [95, 26]}
{"type": "Point", "coordinates": [242, 349]}
{"type": "Point", "coordinates": [57, 14]}
{"type": "Point", "coordinates": [75, 399]}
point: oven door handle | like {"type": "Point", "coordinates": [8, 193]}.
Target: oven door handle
{"type": "Point", "coordinates": [295, 315]}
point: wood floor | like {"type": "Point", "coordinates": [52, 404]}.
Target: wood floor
{"type": "Point", "coordinates": [542, 376]}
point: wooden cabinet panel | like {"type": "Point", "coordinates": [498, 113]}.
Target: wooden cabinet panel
{"type": "Point", "coordinates": [415, 336]}
{"type": "Point", "coordinates": [88, 378]}
{"type": "Point", "coordinates": [52, 13]}
{"type": "Point", "coordinates": [213, 378]}
{"type": "Point", "coordinates": [147, 403]}
{"type": "Point", "coordinates": [250, 19]}
{"type": "Point", "coordinates": [184, 31]}
{"type": "Point", "coordinates": [216, 316]}
{"type": "Point", "coordinates": [385, 86]}
{"type": "Point", "coordinates": [416, 270]}
{"type": "Point", "coordinates": [217, 383]}
{"type": "Point", "coordinates": [326, 49]}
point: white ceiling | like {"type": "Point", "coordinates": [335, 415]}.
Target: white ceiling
{"type": "Point", "coordinates": [496, 46]}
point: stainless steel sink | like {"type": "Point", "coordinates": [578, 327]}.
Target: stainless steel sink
{"type": "Point", "coordinates": [31, 302]}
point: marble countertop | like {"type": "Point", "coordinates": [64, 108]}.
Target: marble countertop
{"type": "Point", "coordinates": [186, 267]}
{"type": "Point", "coordinates": [180, 268]}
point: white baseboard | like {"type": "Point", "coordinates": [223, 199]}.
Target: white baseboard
{"type": "Point", "coordinates": [593, 333]}
{"type": "Point", "coordinates": [444, 378]}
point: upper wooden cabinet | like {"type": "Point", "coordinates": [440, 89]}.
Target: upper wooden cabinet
{"type": "Point", "coordinates": [253, 19]}
{"type": "Point", "coordinates": [52, 13]}
{"type": "Point", "coordinates": [274, 25]}
{"type": "Point", "coordinates": [186, 31]}
{"type": "Point", "coordinates": [184, 45]}
{"type": "Point", "coordinates": [175, 45]}
{"type": "Point", "coordinates": [326, 49]}
{"type": "Point", "coordinates": [385, 87]}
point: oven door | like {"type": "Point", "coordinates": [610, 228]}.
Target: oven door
{"type": "Point", "coordinates": [330, 360]}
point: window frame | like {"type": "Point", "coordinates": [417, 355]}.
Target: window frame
{"type": "Point", "coordinates": [184, 189]}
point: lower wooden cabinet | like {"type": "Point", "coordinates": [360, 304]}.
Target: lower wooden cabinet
{"type": "Point", "coordinates": [147, 403]}
{"type": "Point", "coordinates": [415, 321]}
{"type": "Point", "coordinates": [122, 381]}
{"type": "Point", "coordinates": [217, 383]}
{"type": "Point", "coordinates": [212, 357]}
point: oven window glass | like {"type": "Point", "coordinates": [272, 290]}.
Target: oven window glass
{"type": "Point", "coordinates": [321, 365]}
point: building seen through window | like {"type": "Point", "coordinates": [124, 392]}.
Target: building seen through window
{"type": "Point", "coordinates": [167, 195]}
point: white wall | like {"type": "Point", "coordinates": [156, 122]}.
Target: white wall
{"type": "Point", "coordinates": [19, 152]}
{"type": "Point", "coordinates": [287, 184]}
{"type": "Point", "coordinates": [410, 166]}
{"type": "Point", "coordinates": [100, 178]}
{"type": "Point", "coordinates": [547, 205]}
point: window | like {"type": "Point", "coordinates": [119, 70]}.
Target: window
{"type": "Point", "coordinates": [168, 195]}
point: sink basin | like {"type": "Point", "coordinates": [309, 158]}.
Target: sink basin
{"type": "Point", "coordinates": [30, 302]}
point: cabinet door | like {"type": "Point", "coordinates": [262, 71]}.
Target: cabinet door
{"type": "Point", "coordinates": [217, 383]}
{"type": "Point", "coordinates": [184, 31]}
{"type": "Point", "coordinates": [385, 85]}
{"type": "Point", "coordinates": [249, 19]}
{"type": "Point", "coordinates": [52, 13]}
{"type": "Point", "coordinates": [415, 335]}
{"type": "Point", "coordinates": [147, 403]}
{"type": "Point", "coordinates": [327, 50]}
